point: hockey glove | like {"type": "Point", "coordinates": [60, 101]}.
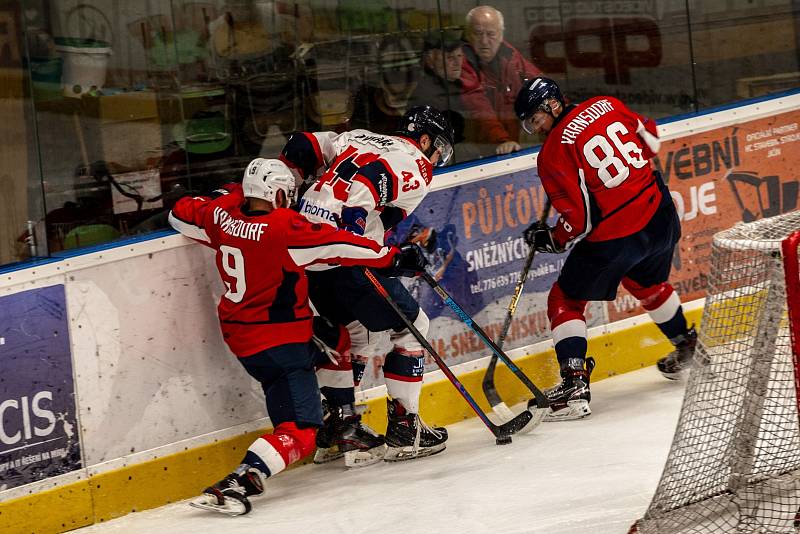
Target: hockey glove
{"type": "Point", "coordinates": [354, 220]}
{"type": "Point", "coordinates": [390, 216]}
{"type": "Point", "coordinates": [409, 262]}
{"type": "Point", "coordinates": [540, 237]}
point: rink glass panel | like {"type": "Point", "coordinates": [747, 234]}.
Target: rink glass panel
{"type": "Point", "coordinates": [114, 109]}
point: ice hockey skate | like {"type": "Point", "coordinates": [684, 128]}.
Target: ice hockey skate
{"type": "Point", "coordinates": [361, 445]}
{"type": "Point", "coordinates": [677, 363]}
{"type": "Point", "coordinates": [408, 437]}
{"type": "Point", "coordinates": [230, 495]}
{"type": "Point", "coordinates": [343, 434]}
{"type": "Point", "coordinates": [570, 399]}
{"type": "Point", "coordinates": [327, 450]}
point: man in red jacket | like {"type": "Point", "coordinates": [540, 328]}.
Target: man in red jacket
{"type": "Point", "coordinates": [262, 250]}
{"type": "Point", "coordinates": [492, 74]}
{"type": "Point", "coordinates": [617, 217]}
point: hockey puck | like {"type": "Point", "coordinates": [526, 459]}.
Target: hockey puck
{"type": "Point", "coordinates": [503, 440]}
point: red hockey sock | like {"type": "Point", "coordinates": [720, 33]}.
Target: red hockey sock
{"type": "Point", "coordinates": [286, 445]}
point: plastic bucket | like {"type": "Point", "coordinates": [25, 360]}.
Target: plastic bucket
{"type": "Point", "coordinates": [46, 77]}
{"type": "Point", "coordinates": [85, 64]}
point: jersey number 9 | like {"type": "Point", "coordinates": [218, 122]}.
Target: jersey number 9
{"type": "Point", "coordinates": [233, 264]}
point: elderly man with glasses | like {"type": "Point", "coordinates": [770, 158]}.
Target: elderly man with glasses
{"type": "Point", "coordinates": [498, 69]}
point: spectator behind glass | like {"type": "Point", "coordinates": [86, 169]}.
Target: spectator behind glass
{"type": "Point", "coordinates": [440, 86]}
{"type": "Point", "coordinates": [498, 69]}
{"type": "Point", "coordinates": [383, 99]}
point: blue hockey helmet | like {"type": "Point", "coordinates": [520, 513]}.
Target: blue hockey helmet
{"type": "Point", "coordinates": [420, 120]}
{"type": "Point", "coordinates": [535, 95]}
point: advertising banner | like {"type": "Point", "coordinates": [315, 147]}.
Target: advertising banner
{"type": "Point", "coordinates": [472, 235]}
{"type": "Point", "coordinates": [717, 178]}
{"type": "Point", "coordinates": [38, 429]}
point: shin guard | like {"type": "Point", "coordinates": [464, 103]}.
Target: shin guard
{"type": "Point", "coordinates": [567, 323]}
{"type": "Point", "coordinates": [272, 453]}
{"type": "Point", "coordinates": [403, 374]}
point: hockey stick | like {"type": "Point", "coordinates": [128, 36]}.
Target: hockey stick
{"type": "Point", "coordinates": [498, 406]}
{"type": "Point", "coordinates": [541, 402]}
{"type": "Point", "coordinates": [502, 433]}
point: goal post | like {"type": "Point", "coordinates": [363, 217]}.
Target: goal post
{"type": "Point", "coordinates": [734, 463]}
{"type": "Point", "coordinates": [791, 253]}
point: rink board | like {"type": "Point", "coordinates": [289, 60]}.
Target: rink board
{"type": "Point", "coordinates": [157, 393]}
{"type": "Point", "coordinates": [107, 494]}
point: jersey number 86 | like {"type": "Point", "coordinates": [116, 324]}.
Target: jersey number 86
{"type": "Point", "coordinates": [609, 161]}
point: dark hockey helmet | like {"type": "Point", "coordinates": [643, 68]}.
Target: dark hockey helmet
{"type": "Point", "coordinates": [533, 96]}
{"type": "Point", "coordinates": [420, 120]}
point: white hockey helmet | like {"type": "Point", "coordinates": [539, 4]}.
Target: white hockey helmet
{"type": "Point", "coordinates": [263, 177]}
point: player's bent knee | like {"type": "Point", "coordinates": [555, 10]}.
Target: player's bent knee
{"type": "Point", "coordinates": [422, 323]}
{"type": "Point", "coordinates": [561, 308]}
{"type": "Point", "coordinates": [651, 296]}
{"type": "Point", "coordinates": [405, 342]}
{"type": "Point", "coordinates": [365, 343]}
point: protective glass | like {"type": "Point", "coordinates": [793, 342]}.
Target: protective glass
{"type": "Point", "coordinates": [527, 124]}
{"type": "Point", "coordinates": [529, 121]}
{"type": "Point", "coordinates": [445, 150]}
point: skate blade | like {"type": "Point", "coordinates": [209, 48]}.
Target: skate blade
{"type": "Point", "coordinates": [401, 454]}
{"type": "Point", "coordinates": [683, 374]}
{"type": "Point", "coordinates": [232, 507]}
{"type": "Point", "coordinates": [576, 409]}
{"type": "Point", "coordinates": [356, 459]}
{"type": "Point", "coordinates": [323, 456]}
{"type": "Point", "coordinates": [538, 416]}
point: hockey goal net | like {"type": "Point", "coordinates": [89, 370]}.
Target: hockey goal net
{"type": "Point", "coordinates": [734, 464]}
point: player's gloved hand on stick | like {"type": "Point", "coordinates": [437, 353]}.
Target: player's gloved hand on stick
{"type": "Point", "coordinates": [540, 237]}
{"type": "Point", "coordinates": [409, 262]}
{"type": "Point", "coordinates": [353, 220]}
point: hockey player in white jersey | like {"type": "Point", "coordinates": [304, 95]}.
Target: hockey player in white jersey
{"type": "Point", "coordinates": [368, 183]}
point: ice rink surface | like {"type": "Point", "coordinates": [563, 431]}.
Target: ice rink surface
{"type": "Point", "coordinates": [593, 476]}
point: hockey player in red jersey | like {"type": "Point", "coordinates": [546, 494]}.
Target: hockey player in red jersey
{"type": "Point", "coordinates": [370, 182]}
{"type": "Point", "coordinates": [616, 217]}
{"type": "Point", "coordinates": [262, 249]}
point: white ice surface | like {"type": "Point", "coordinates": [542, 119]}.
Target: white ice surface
{"type": "Point", "coordinates": [593, 476]}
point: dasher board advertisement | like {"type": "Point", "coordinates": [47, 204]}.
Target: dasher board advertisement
{"type": "Point", "coordinates": [38, 429]}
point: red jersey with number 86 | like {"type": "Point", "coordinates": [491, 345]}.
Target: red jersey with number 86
{"type": "Point", "coordinates": [595, 169]}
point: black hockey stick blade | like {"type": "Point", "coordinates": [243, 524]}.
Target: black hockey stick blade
{"type": "Point", "coordinates": [520, 423]}
{"type": "Point", "coordinates": [499, 407]}
{"type": "Point", "coordinates": [489, 389]}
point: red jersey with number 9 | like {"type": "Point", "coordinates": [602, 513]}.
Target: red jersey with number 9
{"type": "Point", "coordinates": [261, 258]}
{"type": "Point", "coordinates": [595, 169]}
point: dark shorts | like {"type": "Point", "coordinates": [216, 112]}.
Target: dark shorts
{"type": "Point", "coordinates": [594, 270]}
{"type": "Point", "coordinates": [286, 374]}
{"type": "Point", "coordinates": [344, 294]}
